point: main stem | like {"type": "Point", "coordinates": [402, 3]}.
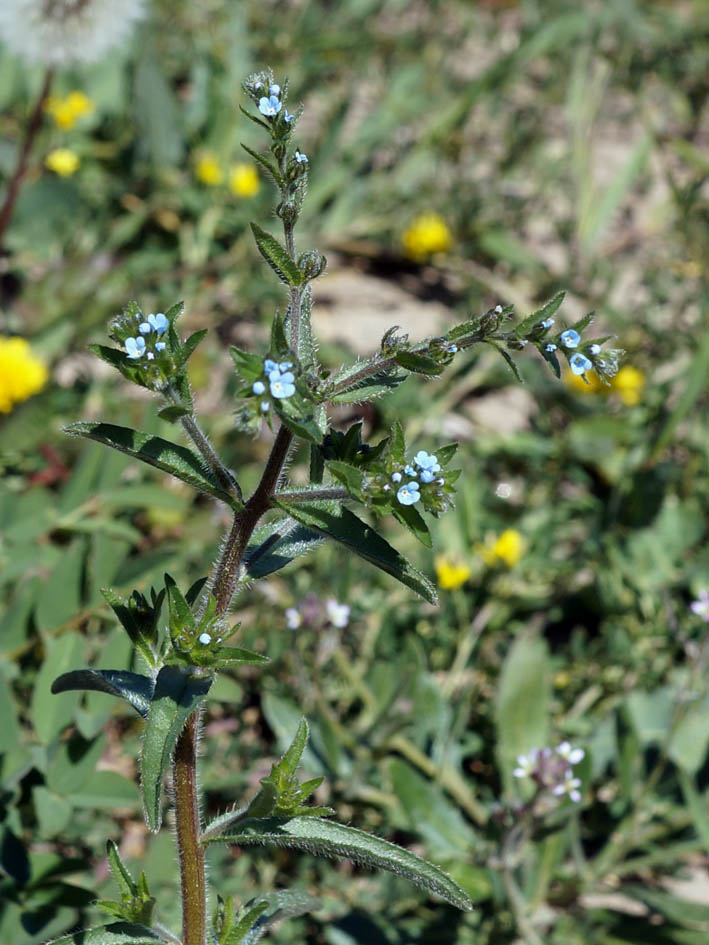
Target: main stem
{"type": "Point", "coordinates": [191, 851]}
{"type": "Point", "coordinates": [15, 183]}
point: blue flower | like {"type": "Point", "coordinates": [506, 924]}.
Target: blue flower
{"type": "Point", "coordinates": [258, 387]}
{"type": "Point", "coordinates": [282, 385]}
{"type": "Point", "coordinates": [550, 347]}
{"type": "Point", "coordinates": [269, 106]}
{"type": "Point", "coordinates": [451, 349]}
{"type": "Point", "coordinates": [579, 363]}
{"type": "Point", "coordinates": [158, 322]}
{"type": "Point", "coordinates": [570, 338]}
{"type": "Point", "coordinates": [288, 117]}
{"type": "Point", "coordinates": [409, 470]}
{"type": "Point", "coordinates": [264, 406]}
{"type": "Point", "coordinates": [426, 460]}
{"type": "Point", "coordinates": [300, 157]}
{"type": "Point", "coordinates": [159, 345]}
{"type": "Point", "coordinates": [135, 347]}
{"type": "Point", "coordinates": [274, 90]}
{"type": "Point", "coordinates": [285, 365]}
{"type": "Point", "coordinates": [408, 494]}
{"type": "Point", "coordinates": [269, 366]}
{"type": "Point", "coordinates": [547, 323]}
{"type": "Point", "coordinates": [144, 328]}
{"type": "Point", "coordinates": [205, 639]}
{"type": "Point", "coordinates": [396, 477]}
{"type": "Point", "coordinates": [427, 475]}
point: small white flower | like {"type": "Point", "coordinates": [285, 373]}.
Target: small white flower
{"type": "Point", "coordinates": [396, 477]}
{"type": "Point", "coordinates": [337, 614]}
{"type": "Point", "coordinates": [570, 785]}
{"type": "Point", "coordinates": [205, 639]}
{"type": "Point", "coordinates": [526, 764]}
{"type": "Point", "coordinates": [571, 755]}
{"type": "Point", "coordinates": [595, 349]}
{"type": "Point", "coordinates": [498, 310]}
{"type": "Point", "coordinates": [293, 618]}
{"type": "Point", "coordinates": [63, 32]}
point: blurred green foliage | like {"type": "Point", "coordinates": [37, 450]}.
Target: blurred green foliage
{"type": "Point", "coordinates": [564, 146]}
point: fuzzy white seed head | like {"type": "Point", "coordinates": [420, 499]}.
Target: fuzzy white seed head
{"type": "Point", "coordinates": [64, 32]}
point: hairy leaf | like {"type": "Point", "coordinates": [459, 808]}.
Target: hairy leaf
{"type": "Point", "coordinates": [338, 523]}
{"type": "Point", "coordinates": [418, 363]}
{"type": "Point", "coordinates": [276, 545]}
{"type": "Point", "coordinates": [277, 257]}
{"type": "Point", "coordinates": [118, 933]}
{"type": "Point", "coordinates": [177, 694]}
{"type": "Point", "coordinates": [169, 457]}
{"type": "Point", "coordinates": [324, 838]}
{"type": "Point", "coordinates": [134, 688]}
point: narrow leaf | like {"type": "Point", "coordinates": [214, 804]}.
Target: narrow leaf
{"type": "Point", "coordinates": [169, 457]}
{"type": "Point", "coordinates": [134, 688]}
{"type": "Point", "coordinates": [237, 656]}
{"type": "Point", "coordinates": [276, 545]}
{"type": "Point", "coordinates": [185, 351]}
{"type": "Point", "coordinates": [266, 164]}
{"type": "Point", "coordinates": [418, 363]}
{"type": "Point", "coordinates": [172, 413]}
{"type": "Point", "coordinates": [334, 521]}
{"type": "Point", "coordinates": [126, 885]}
{"type": "Point", "coordinates": [324, 838]}
{"type": "Point", "coordinates": [411, 518]}
{"type": "Point", "coordinates": [277, 257]}
{"type": "Point", "coordinates": [548, 310]}
{"type": "Point", "coordinates": [508, 357]}
{"type": "Point", "coordinates": [177, 694]}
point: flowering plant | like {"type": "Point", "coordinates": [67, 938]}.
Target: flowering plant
{"type": "Point", "coordinates": [184, 637]}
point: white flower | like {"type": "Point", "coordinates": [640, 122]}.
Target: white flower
{"type": "Point", "coordinates": [526, 764]}
{"type": "Point", "coordinates": [205, 639]}
{"type": "Point", "coordinates": [293, 618]}
{"type": "Point", "coordinates": [570, 785]}
{"type": "Point", "coordinates": [63, 32]}
{"type": "Point", "coordinates": [337, 614]}
{"type": "Point", "coordinates": [571, 755]}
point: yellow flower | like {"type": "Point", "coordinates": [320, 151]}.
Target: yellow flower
{"type": "Point", "coordinates": [21, 374]}
{"type": "Point", "coordinates": [507, 548]}
{"type": "Point", "coordinates": [208, 171]}
{"type": "Point", "coordinates": [428, 234]}
{"type": "Point", "coordinates": [62, 161]}
{"type": "Point", "coordinates": [451, 572]}
{"type": "Point", "coordinates": [629, 383]}
{"type": "Point", "coordinates": [243, 180]}
{"type": "Point", "coordinates": [66, 111]}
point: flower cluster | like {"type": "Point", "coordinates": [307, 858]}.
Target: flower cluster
{"type": "Point", "coordinates": [551, 769]}
{"type": "Point", "coordinates": [21, 373]}
{"type": "Point", "coordinates": [396, 485]}
{"type": "Point", "coordinates": [280, 380]}
{"type": "Point", "coordinates": [66, 111]}
{"type": "Point", "coordinates": [316, 614]}
{"type": "Point", "coordinates": [154, 326]}
{"type": "Point", "coordinates": [270, 104]}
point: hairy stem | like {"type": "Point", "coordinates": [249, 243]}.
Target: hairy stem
{"type": "Point", "coordinates": [189, 846]}
{"type": "Point", "coordinates": [15, 183]}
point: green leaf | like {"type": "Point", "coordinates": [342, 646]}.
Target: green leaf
{"type": "Point", "coordinates": [283, 904]}
{"type": "Point", "coordinates": [350, 476]}
{"type": "Point", "coordinates": [228, 656]}
{"type": "Point", "coordinates": [325, 838]}
{"type": "Point", "coordinates": [134, 688]}
{"type": "Point", "coordinates": [249, 366]}
{"type": "Point", "coordinates": [333, 521]}
{"type": "Point", "coordinates": [411, 518]}
{"type": "Point", "coordinates": [187, 348]}
{"type": "Point", "coordinates": [277, 257]}
{"type": "Point", "coordinates": [522, 704]}
{"type": "Point", "coordinates": [177, 694]}
{"type": "Point", "coordinates": [125, 881]}
{"type": "Point", "coordinates": [508, 357]}
{"type": "Point", "coordinates": [173, 412]}
{"type": "Point", "coordinates": [548, 310]}
{"type": "Point", "coordinates": [118, 933]}
{"type": "Point", "coordinates": [168, 457]}
{"type": "Point", "coordinates": [265, 164]}
{"type": "Point", "coordinates": [418, 363]}
{"type": "Point", "coordinates": [181, 616]}
{"type": "Point", "coordinates": [274, 546]}
{"type": "Point", "coordinates": [298, 415]}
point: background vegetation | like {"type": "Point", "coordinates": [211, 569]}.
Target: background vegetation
{"type": "Point", "coordinates": [557, 145]}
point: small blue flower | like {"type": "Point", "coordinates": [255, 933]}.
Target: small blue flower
{"type": "Point", "coordinates": [300, 157]}
{"type": "Point", "coordinates": [264, 406]}
{"type": "Point", "coordinates": [547, 323]}
{"type": "Point", "coordinates": [159, 345]}
{"type": "Point", "coordinates": [274, 90]}
{"type": "Point", "coordinates": [427, 475]}
{"type": "Point", "coordinates": [135, 347]}
{"type": "Point", "coordinates": [285, 365]}
{"type": "Point", "coordinates": [288, 117]}
{"type": "Point", "coordinates": [205, 639]}
{"type": "Point", "coordinates": [144, 328]}
{"type": "Point", "coordinates": [396, 477]}
{"type": "Point", "coordinates": [408, 494]}
{"type": "Point", "coordinates": [269, 106]}
{"type": "Point", "coordinates": [258, 387]}
{"type": "Point", "coordinates": [595, 349]}
{"type": "Point", "coordinates": [269, 366]}
{"type": "Point", "coordinates": [426, 460]}
{"type": "Point", "coordinates": [570, 338]}
{"type": "Point", "coordinates": [282, 386]}
{"type": "Point", "coordinates": [409, 470]}
{"type": "Point", "coordinates": [451, 349]}
{"type": "Point", "coordinates": [159, 323]}
{"type": "Point", "coordinates": [579, 363]}
{"type": "Point", "coordinates": [550, 347]}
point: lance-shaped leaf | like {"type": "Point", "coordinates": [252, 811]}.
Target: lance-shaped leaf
{"type": "Point", "coordinates": [411, 518]}
{"type": "Point", "coordinates": [418, 363]}
{"type": "Point", "coordinates": [177, 694]}
{"type": "Point", "coordinates": [134, 688]}
{"type": "Point", "coordinates": [334, 521]}
{"type": "Point", "coordinates": [283, 904]}
{"type": "Point", "coordinates": [118, 933]}
{"type": "Point", "coordinates": [169, 457]}
{"type": "Point", "coordinates": [336, 841]}
{"type": "Point", "coordinates": [548, 310]}
{"type": "Point", "coordinates": [274, 546]}
{"type": "Point", "coordinates": [277, 257]}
